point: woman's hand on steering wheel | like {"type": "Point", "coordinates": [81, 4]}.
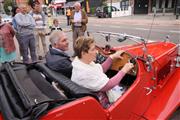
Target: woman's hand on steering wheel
{"type": "Point", "coordinates": [117, 55]}
{"type": "Point", "coordinates": [127, 67]}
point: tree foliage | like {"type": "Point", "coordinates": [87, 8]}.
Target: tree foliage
{"type": "Point", "coordinates": [6, 4]}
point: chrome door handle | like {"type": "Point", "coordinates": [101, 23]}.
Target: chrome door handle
{"type": "Point", "coordinates": [148, 89]}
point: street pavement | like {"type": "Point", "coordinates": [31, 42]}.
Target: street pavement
{"type": "Point", "coordinates": [136, 24]}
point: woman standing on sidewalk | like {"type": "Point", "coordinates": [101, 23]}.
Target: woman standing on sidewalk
{"type": "Point", "coordinates": [7, 46]}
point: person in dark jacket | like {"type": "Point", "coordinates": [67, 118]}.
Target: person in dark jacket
{"type": "Point", "coordinates": [56, 58]}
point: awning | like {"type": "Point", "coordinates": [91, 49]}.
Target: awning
{"type": "Point", "coordinates": [71, 4]}
{"type": "Point", "coordinates": [59, 5]}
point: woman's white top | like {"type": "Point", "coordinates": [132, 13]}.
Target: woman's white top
{"type": "Point", "coordinates": [90, 76]}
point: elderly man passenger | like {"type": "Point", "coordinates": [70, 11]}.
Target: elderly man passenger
{"type": "Point", "coordinates": [57, 59]}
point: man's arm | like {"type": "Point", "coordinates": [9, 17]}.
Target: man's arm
{"type": "Point", "coordinates": [72, 17]}
{"type": "Point", "coordinates": [59, 64]}
{"type": "Point", "coordinates": [21, 21]}
{"type": "Point", "coordinates": [84, 18]}
{"type": "Point", "coordinates": [43, 18]}
{"type": "Point", "coordinates": [65, 64]}
{"type": "Point", "coordinates": [32, 21]}
{"type": "Point", "coordinates": [11, 30]}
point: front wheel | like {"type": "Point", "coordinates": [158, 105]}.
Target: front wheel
{"type": "Point", "coordinates": [105, 15]}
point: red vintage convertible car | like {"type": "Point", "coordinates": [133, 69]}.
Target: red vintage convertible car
{"type": "Point", "coordinates": [151, 88]}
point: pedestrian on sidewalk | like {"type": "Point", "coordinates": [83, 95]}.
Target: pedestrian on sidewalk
{"type": "Point", "coordinates": [14, 25]}
{"type": "Point", "coordinates": [40, 31]}
{"type": "Point", "coordinates": [68, 14]}
{"type": "Point", "coordinates": [56, 25]}
{"type": "Point", "coordinates": [57, 59]}
{"type": "Point", "coordinates": [7, 46]}
{"type": "Point", "coordinates": [78, 21]}
{"type": "Point", "coordinates": [25, 29]}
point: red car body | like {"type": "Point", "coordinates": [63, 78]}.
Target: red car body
{"type": "Point", "coordinates": [154, 94]}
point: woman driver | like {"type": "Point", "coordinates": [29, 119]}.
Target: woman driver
{"type": "Point", "coordinates": [91, 75]}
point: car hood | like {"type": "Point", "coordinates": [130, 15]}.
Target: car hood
{"type": "Point", "coordinates": [156, 49]}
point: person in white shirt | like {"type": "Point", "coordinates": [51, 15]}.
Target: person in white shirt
{"type": "Point", "coordinates": [40, 31]}
{"type": "Point", "coordinates": [90, 75]}
{"type": "Point", "coordinates": [78, 21]}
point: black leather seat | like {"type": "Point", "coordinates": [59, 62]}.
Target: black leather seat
{"type": "Point", "coordinates": [72, 90]}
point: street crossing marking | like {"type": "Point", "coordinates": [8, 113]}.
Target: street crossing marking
{"type": "Point", "coordinates": [173, 31]}
{"type": "Point", "coordinates": [141, 29]}
{"type": "Point", "coordinates": [97, 25]}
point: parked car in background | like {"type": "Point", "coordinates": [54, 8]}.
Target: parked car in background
{"type": "Point", "coordinates": [6, 18]}
{"type": "Point", "coordinates": [102, 12]}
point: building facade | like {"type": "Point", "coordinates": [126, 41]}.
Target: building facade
{"type": "Point", "coordinates": [138, 6]}
{"type": "Point", "coordinates": [26, 1]}
{"type": "Point", "coordinates": [147, 6]}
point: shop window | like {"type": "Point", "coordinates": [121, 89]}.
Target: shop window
{"type": "Point", "coordinates": [124, 4]}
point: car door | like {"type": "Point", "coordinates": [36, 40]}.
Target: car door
{"type": "Point", "coordinates": [135, 101]}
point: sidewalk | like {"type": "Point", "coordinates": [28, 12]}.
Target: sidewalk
{"type": "Point", "coordinates": [158, 20]}
{"type": "Point", "coordinates": [168, 19]}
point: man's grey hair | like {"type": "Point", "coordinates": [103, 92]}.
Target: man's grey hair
{"type": "Point", "coordinates": [55, 37]}
{"type": "Point", "coordinates": [77, 4]}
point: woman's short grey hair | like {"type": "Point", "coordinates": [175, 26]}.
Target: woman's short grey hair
{"type": "Point", "coordinates": [55, 37]}
{"type": "Point", "coordinates": [22, 5]}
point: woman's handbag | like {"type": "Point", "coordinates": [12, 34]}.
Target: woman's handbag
{"type": "Point", "coordinates": [115, 93]}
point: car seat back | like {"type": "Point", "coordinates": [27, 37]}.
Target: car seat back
{"type": "Point", "coordinates": [25, 93]}
{"type": "Point", "coordinates": [72, 90]}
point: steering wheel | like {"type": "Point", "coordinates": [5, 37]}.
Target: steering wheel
{"type": "Point", "coordinates": [119, 63]}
